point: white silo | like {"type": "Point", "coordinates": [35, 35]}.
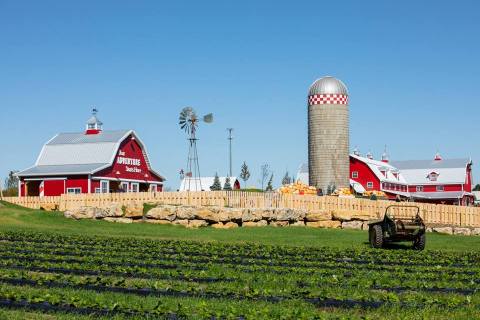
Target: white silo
{"type": "Point", "coordinates": [328, 134]}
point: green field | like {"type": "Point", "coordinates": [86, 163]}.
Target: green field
{"type": "Point", "coordinates": [57, 268]}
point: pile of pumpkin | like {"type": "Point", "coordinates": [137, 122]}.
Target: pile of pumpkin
{"type": "Point", "coordinates": [378, 194]}
{"type": "Point", "coordinates": [342, 192]}
{"type": "Point", "coordinates": [297, 188]}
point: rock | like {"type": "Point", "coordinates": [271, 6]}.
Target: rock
{"type": "Point", "coordinates": [318, 215]}
{"type": "Point", "coordinates": [134, 211]}
{"type": "Point", "coordinates": [84, 213]}
{"type": "Point", "coordinates": [155, 221]}
{"type": "Point", "coordinates": [279, 223]}
{"type": "Point", "coordinates": [227, 214]}
{"type": "Point", "coordinates": [324, 224]}
{"type": "Point", "coordinates": [365, 226]}
{"type": "Point", "coordinates": [208, 214]}
{"type": "Point", "coordinates": [111, 210]}
{"type": "Point", "coordinates": [218, 225]}
{"type": "Point", "coordinates": [182, 222]}
{"type": "Point", "coordinates": [444, 230]}
{"type": "Point", "coordinates": [197, 223]}
{"type": "Point", "coordinates": [462, 231]}
{"type": "Point", "coordinates": [261, 223]}
{"type": "Point", "coordinates": [162, 213]}
{"type": "Point", "coordinates": [184, 212]}
{"type": "Point", "coordinates": [118, 220]}
{"type": "Point", "coordinates": [475, 232]}
{"type": "Point", "coordinates": [230, 225]}
{"type": "Point", "coordinates": [428, 229]}
{"type": "Point", "coordinates": [49, 207]}
{"type": "Point", "coordinates": [249, 215]}
{"type": "Point", "coordinates": [297, 224]}
{"type": "Point", "coordinates": [348, 215]}
{"type": "Point", "coordinates": [352, 225]}
{"type": "Point", "coordinates": [289, 214]}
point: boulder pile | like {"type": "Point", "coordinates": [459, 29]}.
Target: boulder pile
{"type": "Point", "coordinates": [223, 217]}
{"type": "Point", "coordinates": [229, 218]}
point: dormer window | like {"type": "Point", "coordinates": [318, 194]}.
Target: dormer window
{"type": "Point", "coordinates": [433, 176]}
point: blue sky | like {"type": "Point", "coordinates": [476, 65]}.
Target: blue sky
{"type": "Point", "coordinates": [411, 67]}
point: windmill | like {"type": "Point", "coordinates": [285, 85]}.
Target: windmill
{"type": "Point", "coordinates": [189, 121]}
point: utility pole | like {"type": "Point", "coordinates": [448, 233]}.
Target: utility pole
{"type": "Point", "coordinates": [230, 138]}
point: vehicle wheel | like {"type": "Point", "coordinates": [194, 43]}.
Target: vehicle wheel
{"type": "Point", "coordinates": [419, 242]}
{"type": "Point", "coordinates": [376, 236]}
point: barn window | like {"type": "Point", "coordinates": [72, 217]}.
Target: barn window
{"type": "Point", "coordinates": [134, 187]}
{"type": "Point", "coordinates": [124, 186]}
{"type": "Point", "coordinates": [104, 186]}
{"type": "Point", "coordinates": [419, 188]}
{"type": "Point", "coordinates": [432, 176]}
{"type": "Point", "coordinates": [355, 174]}
{"type": "Point", "coordinates": [153, 188]}
{"type": "Point", "coordinates": [440, 188]}
{"type": "Point", "coordinates": [369, 185]}
{"type": "Point", "coordinates": [74, 190]}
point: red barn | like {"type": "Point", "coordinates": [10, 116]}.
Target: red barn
{"type": "Point", "coordinates": [94, 161]}
{"type": "Point", "coordinates": [439, 180]}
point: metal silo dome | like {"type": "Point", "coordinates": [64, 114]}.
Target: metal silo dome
{"type": "Point", "coordinates": [328, 85]}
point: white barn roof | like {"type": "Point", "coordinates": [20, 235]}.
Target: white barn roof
{"type": "Point", "coordinates": [80, 153]}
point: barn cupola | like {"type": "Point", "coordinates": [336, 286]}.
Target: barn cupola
{"type": "Point", "coordinates": [385, 155]}
{"type": "Point", "coordinates": [438, 157]}
{"type": "Point", "coordinates": [370, 155]}
{"type": "Point", "coordinates": [356, 151]}
{"type": "Point", "coordinates": [94, 125]}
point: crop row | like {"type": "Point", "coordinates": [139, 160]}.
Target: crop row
{"type": "Point", "coordinates": [244, 251]}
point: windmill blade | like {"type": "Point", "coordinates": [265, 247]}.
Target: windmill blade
{"type": "Point", "coordinates": [208, 118]}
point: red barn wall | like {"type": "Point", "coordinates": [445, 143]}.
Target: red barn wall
{"type": "Point", "coordinates": [77, 182]}
{"type": "Point", "coordinates": [365, 174]}
{"type": "Point", "coordinates": [129, 149]}
{"type": "Point", "coordinates": [54, 187]}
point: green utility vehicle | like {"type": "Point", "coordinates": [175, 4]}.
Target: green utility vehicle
{"type": "Point", "coordinates": [399, 224]}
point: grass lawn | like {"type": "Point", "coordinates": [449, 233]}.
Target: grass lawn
{"type": "Point", "coordinates": [17, 218]}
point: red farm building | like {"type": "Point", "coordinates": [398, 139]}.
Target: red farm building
{"type": "Point", "coordinates": [443, 181]}
{"type": "Point", "coordinates": [447, 181]}
{"type": "Point", "coordinates": [94, 161]}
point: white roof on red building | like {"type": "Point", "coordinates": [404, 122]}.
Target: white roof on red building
{"type": "Point", "coordinates": [80, 153]}
{"type": "Point", "coordinates": [448, 171]}
{"type": "Point", "coordinates": [378, 167]}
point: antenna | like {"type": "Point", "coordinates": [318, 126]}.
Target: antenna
{"type": "Point", "coordinates": [188, 121]}
{"type": "Point", "coordinates": [230, 138]}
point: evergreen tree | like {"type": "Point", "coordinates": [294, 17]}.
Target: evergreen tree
{"type": "Point", "coordinates": [245, 173]}
{"type": "Point", "coordinates": [286, 179]}
{"type": "Point", "coordinates": [216, 186]}
{"type": "Point", "coordinates": [11, 185]}
{"type": "Point", "coordinates": [269, 184]}
{"type": "Point", "coordinates": [477, 187]}
{"type": "Point", "coordinates": [227, 186]}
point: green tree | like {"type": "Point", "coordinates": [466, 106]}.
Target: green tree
{"type": "Point", "coordinates": [269, 184]}
{"type": "Point", "coordinates": [227, 186]}
{"type": "Point", "coordinates": [216, 186]}
{"type": "Point", "coordinates": [245, 173]}
{"type": "Point", "coordinates": [477, 187]}
{"type": "Point", "coordinates": [286, 179]}
{"type": "Point", "coordinates": [11, 185]}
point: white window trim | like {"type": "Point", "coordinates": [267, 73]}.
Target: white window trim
{"type": "Point", "coordinates": [369, 185]}
{"type": "Point", "coordinates": [154, 187]}
{"type": "Point", "coordinates": [74, 190]}
{"type": "Point", "coordinates": [440, 188]}
{"type": "Point", "coordinates": [134, 184]}
{"type": "Point", "coordinates": [354, 174]}
{"type": "Point", "coordinates": [101, 186]}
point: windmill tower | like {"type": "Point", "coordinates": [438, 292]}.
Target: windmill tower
{"type": "Point", "coordinates": [189, 121]}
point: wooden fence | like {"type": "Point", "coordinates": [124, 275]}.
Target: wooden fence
{"type": "Point", "coordinates": [432, 213]}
